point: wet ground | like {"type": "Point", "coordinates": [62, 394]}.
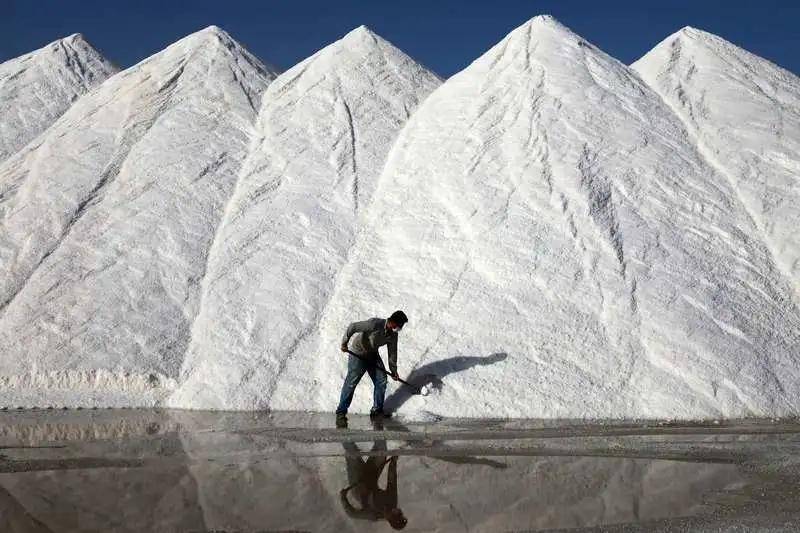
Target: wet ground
{"type": "Point", "coordinates": [152, 470]}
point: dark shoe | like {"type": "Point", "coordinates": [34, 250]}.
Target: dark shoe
{"type": "Point", "coordinates": [341, 420]}
{"type": "Point", "coordinates": [378, 413]}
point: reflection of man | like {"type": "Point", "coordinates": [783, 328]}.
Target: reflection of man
{"type": "Point", "coordinates": [364, 475]}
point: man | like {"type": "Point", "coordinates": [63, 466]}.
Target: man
{"type": "Point", "coordinates": [367, 337]}
{"type": "Point", "coordinates": [363, 474]}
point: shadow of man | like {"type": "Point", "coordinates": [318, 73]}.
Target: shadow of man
{"type": "Point", "coordinates": [363, 476]}
{"type": "Point", "coordinates": [431, 375]}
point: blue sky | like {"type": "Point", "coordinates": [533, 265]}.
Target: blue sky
{"type": "Point", "coordinates": [444, 35]}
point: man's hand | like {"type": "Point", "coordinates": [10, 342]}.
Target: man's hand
{"type": "Point", "coordinates": [395, 376]}
{"type": "Point", "coordinates": [344, 348]}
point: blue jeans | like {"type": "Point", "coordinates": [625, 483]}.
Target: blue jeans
{"type": "Point", "coordinates": [355, 370]}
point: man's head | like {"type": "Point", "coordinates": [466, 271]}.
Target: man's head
{"type": "Point", "coordinates": [395, 518]}
{"type": "Point", "coordinates": [396, 321]}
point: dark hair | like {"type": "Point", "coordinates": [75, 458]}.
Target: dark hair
{"type": "Point", "coordinates": [399, 318]}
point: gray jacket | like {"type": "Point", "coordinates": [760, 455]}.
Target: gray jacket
{"type": "Point", "coordinates": [369, 335]}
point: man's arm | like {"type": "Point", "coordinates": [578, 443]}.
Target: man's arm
{"type": "Point", "coordinates": [354, 328]}
{"type": "Point", "coordinates": [391, 347]}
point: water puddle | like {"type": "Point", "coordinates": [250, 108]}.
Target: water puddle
{"type": "Point", "coordinates": [184, 471]}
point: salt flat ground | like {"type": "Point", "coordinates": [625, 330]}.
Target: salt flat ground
{"type": "Point", "coordinates": [157, 470]}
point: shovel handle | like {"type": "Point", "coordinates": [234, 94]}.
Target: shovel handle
{"type": "Point", "coordinates": [401, 380]}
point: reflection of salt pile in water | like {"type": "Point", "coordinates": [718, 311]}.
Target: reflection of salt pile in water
{"type": "Point", "coordinates": [215, 492]}
{"type": "Point", "coordinates": [34, 428]}
{"type": "Point", "coordinates": [442, 487]}
{"type": "Point", "coordinates": [73, 495]}
{"type": "Point", "coordinates": [16, 518]}
{"type": "Point", "coordinates": [210, 468]}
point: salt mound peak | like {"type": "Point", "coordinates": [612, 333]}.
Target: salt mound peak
{"type": "Point", "coordinates": [691, 31]}
{"type": "Point", "coordinates": [38, 87]}
{"type": "Point", "coordinates": [209, 32]}
{"type": "Point", "coordinates": [571, 237]}
{"type": "Point", "coordinates": [362, 36]}
{"type": "Point", "coordinates": [716, 47]}
{"type": "Point", "coordinates": [549, 191]}
{"type": "Point", "coordinates": [215, 30]}
{"type": "Point", "coordinates": [197, 47]}
{"type": "Point", "coordinates": [359, 40]}
{"type": "Point", "coordinates": [207, 36]}
{"type": "Point", "coordinates": [700, 36]}
{"type": "Point", "coordinates": [360, 32]}
{"type": "Point", "coordinates": [125, 228]}
{"type": "Point", "coordinates": [75, 38]}
{"type": "Point", "coordinates": [544, 25]}
{"type": "Point", "coordinates": [324, 130]}
{"type": "Point", "coordinates": [541, 42]}
{"type": "Point", "coordinates": [743, 112]}
{"type": "Point", "coordinates": [352, 60]}
{"type": "Point", "coordinates": [545, 21]}
{"type": "Point", "coordinates": [56, 46]}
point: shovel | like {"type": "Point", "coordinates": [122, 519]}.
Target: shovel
{"type": "Point", "coordinates": [416, 389]}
